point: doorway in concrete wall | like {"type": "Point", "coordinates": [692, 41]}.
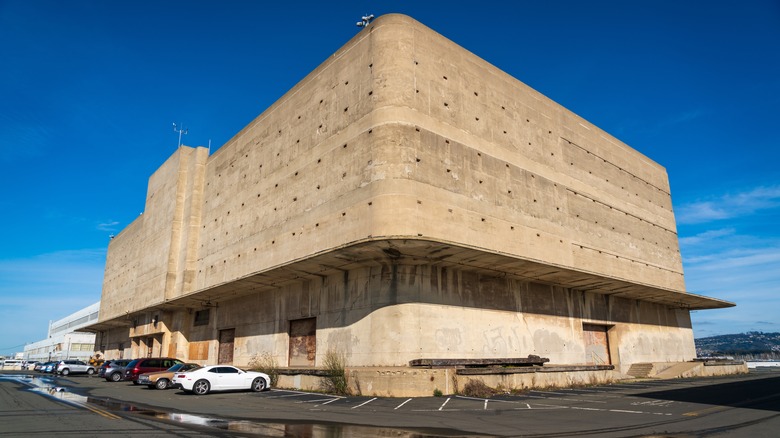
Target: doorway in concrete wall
{"type": "Point", "coordinates": [226, 342]}
{"type": "Point", "coordinates": [303, 342]}
{"type": "Point", "coordinates": [596, 344]}
{"type": "Point", "coordinates": [151, 346]}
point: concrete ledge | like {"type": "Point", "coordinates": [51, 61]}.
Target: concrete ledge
{"type": "Point", "coordinates": [720, 363]}
{"type": "Point", "coordinates": [474, 363]}
{"type": "Point", "coordinates": [422, 382]}
{"type": "Point", "coordinates": [532, 369]}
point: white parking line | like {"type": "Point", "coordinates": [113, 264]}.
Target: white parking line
{"type": "Point", "coordinates": [627, 412]}
{"type": "Point", "coordinates": [364, 403]}
{"type": "Point", "coordinates": [407, 401]}
{"type": "Point", "coordinates": [329, 401]}
{"type": "Point", "coordinates": [444, 404]}
{"type": "Point", "coordinates": [485, 408]}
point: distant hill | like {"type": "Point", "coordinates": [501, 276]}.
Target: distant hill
{"type": "Point", "coordinates": [750, 345]}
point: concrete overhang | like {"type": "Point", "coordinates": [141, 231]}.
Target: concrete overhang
{"type": "Point", "coordinates": [416, 251]}
{"type": "Point", "coordinates": [102, 326]}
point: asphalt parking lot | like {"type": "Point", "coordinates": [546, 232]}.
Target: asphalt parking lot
{"type": "Point", "coordinates": [747, 405]}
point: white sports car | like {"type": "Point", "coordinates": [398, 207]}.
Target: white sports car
{"type": "Point", "coordinates": [220, 378]}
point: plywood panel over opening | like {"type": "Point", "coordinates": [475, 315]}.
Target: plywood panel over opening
{"type": "Point", "coordinates": [303, 342]}
{"type": "Point", "coordinates": [199, 350]}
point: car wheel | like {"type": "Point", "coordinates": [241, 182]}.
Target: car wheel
{"type": "Point", "coordinates": [90, 371]}
{"type": "Point", "coordinates": [135, 382]}
{"type": "Point", "coordinates": [258, 384]}
{"type": "Point", "coordinates": [162, 384]}
{"type": "Point", "coordinates": [201, 387]}
{"type": "Point", "coordinates": [115, 377]}
{"type": "Point", "coordinates": [65, 372]}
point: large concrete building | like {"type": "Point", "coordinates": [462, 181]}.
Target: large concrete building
{"type": "Point", "coordinates": [406, 200]}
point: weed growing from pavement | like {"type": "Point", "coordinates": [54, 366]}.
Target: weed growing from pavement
{"type": "Point", "coordinates": [336, 380]}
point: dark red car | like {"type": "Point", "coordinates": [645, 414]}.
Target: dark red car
{"type": "Point", "coordinates": [148, 365]}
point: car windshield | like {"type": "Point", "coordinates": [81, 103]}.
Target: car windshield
{"type": "Point", "coordinates": [184, 367]}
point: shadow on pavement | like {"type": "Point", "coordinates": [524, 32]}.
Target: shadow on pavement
{"type": "Point", "coordinates": [761, 394]}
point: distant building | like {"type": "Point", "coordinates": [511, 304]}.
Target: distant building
{"type": "Point", "coordinates": [65, 338]}
{"type": "Point", "coordinates": [406, 200]}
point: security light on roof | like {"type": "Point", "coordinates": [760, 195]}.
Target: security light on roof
{"type": "Point", "coordinates": [366, 20]}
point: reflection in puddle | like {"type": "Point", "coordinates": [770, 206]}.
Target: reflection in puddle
{"type": "Point", "coordinates": [288, 430]}
{"type": "Point", "coordinates": [45, 385]}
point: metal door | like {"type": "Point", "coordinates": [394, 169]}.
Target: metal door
{"type": "Point", "coordinates": [226, 338]}
{"type": "Point", "coordinates": [596, 344]}
{"type": "Point", "coordinates": [303, 342]}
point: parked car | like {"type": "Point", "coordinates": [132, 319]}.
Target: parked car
{"type": "Point", "coordinates": [11, 363]}
{"type": "Point", "coordinates": [66, 367]}
{"type": "Point", "coordinates": [113, 370]}
{"type": "Point", "coordinates": [38, 366]}
{"type": "Point", "coordinates": [136, 367]}
{"type": "Point", "coordinates": [162, 379]}
{"type": "Point", "coordinates": [49, 367]}
{"type": "Point", "coordinates": [221, 378]}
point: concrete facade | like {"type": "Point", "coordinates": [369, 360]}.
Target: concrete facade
{"type": "Point", "coordinates": [405, 200]}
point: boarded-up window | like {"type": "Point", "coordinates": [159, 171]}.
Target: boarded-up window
{"type": "Point", "coordinates": [303, 342]}
{"type": "Point", "coordinates": [199, 350]}
{"type": "Point", "coordinates": [596, 344]}
{"type": "Point", "coordinates": [172, 350]}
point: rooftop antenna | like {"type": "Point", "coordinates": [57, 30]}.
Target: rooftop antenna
{"type": "Point", "coordinates": [181, 130]}
{"type": "Point", "coordinates": [366, 20]}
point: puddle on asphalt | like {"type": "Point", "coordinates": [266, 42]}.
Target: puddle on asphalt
{"type": "Point", "coordinates": [45, 385]}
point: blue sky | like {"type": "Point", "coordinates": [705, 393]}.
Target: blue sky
{"type": "Point", "coordinates": [89, 90]}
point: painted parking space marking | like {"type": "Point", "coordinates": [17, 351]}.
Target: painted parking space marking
{"type": "Point", "coordinates": [444, 404]}
{"type": "Point", "coordinates": [364, 403]}
{"type": "Point", "coordinates": [565, 399]}
{"type": "Point", "coordinates": [624, 411]}
{"type": "Point", "coordinates": [582, 408]}
{"type": "Point", "coordinates": [330, 401]}
{"type": "Point", "coordinates": [399, 406]}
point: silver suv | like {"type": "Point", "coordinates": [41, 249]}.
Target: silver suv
{"type": "Point", "coordinates": [66, 367]}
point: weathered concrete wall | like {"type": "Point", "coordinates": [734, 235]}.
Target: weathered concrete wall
{"type": "Point", "coordinates": [153, 255]}
{"type": "Point", "coordinates": [402, 134]}
{"type": "Point", "coordinates": [391, 314]}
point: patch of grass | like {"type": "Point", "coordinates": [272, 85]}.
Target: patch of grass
{"type": "Point", "coordinates": [437, 392]}
{"type": "Point", "coordinates": [336, 381]}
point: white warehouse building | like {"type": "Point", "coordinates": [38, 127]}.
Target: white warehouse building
{"type": "Point", "coordinates": [64, 340]}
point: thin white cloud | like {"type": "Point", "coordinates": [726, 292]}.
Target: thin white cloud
{"type": "Point", "coordinates": [729, 206]}
{"type": "Point", "coordinates": [107, 226]}
{"type": "Point", "coordinates": [735, 259]}
{"type": "Point", "coordinates": [706, 237]}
